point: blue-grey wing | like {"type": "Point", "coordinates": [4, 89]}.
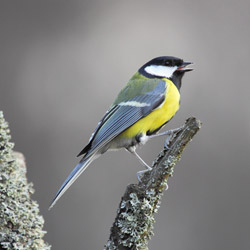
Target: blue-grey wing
{"type": "Point", "coordinates": [123, 115]}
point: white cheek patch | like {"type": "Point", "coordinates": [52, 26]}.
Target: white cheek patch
{"type": "Point", "coordinates": [159, 70]}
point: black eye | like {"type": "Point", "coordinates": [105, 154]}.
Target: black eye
{"type": "Point", "coordinates": [167, 63]}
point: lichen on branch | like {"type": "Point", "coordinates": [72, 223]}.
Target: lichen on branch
{"type": "Point", "coordinates": [134, 221]}
{"type": "Point", "coordinates": [21, 226]}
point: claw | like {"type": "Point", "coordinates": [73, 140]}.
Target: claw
{"type": "Point", "coordinates": [141, 173]}
{"type": "Point", "coordinates": [168, 140]}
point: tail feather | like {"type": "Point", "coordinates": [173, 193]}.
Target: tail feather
{"type": "Point", "coordinates": [76, 172]}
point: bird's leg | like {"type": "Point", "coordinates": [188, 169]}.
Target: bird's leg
{"type": "Point", "coordinates": [170, 133]}
{"type": "Point", "coordinates": [142, 172]}
{"type": "Point", "coordinates": [141, 160]}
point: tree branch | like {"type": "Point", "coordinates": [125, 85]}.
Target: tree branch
{"type": "Point", "coordinates": [20, 222]}
{"type": "Point", "coordinates": [135, 216]}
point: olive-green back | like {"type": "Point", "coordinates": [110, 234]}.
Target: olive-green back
{"type": "Point", "coordinates": [137, 85]}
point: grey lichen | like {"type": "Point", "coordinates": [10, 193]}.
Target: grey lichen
{"type": "Point", "coordinates": [20, 222]}
{"type": "Point", "coordinates": [135, 220]}
{"type": "Point", "coordinates": [133, 225]}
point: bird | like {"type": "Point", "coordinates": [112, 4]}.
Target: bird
{"type": "Point", "coordinates": [147, 102]}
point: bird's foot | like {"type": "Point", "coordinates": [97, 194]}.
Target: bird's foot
{"type": "Point", "coordinates": [170, 133]}
{"type": "Point", "coordinates": [141, 173]}
{"type": "Point", "coordinates": [170, 137]}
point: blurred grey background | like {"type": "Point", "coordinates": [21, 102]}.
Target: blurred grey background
{"type": "Point", "coordinates": [62, 63]}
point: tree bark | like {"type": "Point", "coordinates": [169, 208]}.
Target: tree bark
{"type": "Point", "coordinates": [133, 224]}
{"type": "Point", "coordinates": [20, 222]}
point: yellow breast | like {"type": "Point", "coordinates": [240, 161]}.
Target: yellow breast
{"type": "Point", "coordinates": [159, 116]}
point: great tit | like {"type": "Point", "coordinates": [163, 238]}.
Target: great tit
{"type": "Point", "coordinates": [148, 101]}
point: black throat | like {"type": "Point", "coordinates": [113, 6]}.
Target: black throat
{"type": "Point", "coordinates": [176, 79]}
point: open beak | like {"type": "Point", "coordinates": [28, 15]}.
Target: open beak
{"type": "Point", "coordinates": [183, 67]}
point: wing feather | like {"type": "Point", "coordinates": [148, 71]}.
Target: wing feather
{"type": "Point", "coordinates": [121, 117]}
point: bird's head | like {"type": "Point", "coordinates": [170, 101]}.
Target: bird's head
{"type": "Point", "coordinates": [165, 67]}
